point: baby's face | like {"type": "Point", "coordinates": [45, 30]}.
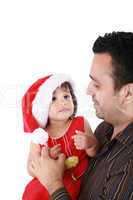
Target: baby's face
{"type": "Point", "coordinates": [62, 106]}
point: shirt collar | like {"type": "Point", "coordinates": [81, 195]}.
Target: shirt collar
{"type": "Point", "coordinates": [126, 136]}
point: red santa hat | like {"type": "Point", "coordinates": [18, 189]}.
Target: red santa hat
{"type": "Point", "coordinates": [36, 101]}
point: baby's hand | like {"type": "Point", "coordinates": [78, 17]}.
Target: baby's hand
{"type": "Point", "coordinates": [81, 140]}
{"type": "Point", "coordinates": [55, 151]}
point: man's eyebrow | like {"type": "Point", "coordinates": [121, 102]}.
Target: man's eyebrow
{"type": "Point", "coordinates": [94, 79]}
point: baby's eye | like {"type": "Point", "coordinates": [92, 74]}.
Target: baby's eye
{"type": "Point", "coordinates": [66, 96]}
{"type": "Point", "coordinates": [53, 98]}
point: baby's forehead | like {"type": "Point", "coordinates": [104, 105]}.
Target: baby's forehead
{"type": "Point", "coordinates": [62, 89]}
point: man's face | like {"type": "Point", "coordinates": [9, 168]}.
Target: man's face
{"type": "Point", "coordinates": [101, 87]}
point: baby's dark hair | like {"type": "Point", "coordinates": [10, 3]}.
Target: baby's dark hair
{"type": "Point", "coordinates": [120, 47]}
{"type": "Point", "coordinates": [67, 85]}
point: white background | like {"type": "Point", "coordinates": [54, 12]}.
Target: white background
{"type": "Point", "coordinates": [38, 37]}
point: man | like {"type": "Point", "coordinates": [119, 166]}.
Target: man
{"type": "Point", "coordinates": [110, 174]}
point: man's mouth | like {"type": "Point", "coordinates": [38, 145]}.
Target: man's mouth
{"type": "Point", "coordinates": [95, 102]}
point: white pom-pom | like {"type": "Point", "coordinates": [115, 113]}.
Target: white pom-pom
{"type": "Point", "coordinates": [39, 136]}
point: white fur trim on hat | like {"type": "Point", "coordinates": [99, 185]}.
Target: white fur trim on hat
{"type": "Point", "coordinates": [43, 98]}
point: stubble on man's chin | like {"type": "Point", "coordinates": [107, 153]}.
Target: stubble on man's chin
{"type": "Point", "coordinates": [99, 115]}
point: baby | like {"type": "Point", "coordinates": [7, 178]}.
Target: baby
{"type": "Point", "coordinates": [49, 107]}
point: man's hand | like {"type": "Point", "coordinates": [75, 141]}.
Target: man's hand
{"type": "Point", "coordinates": [55, 151]}
{"type": "Point", "coordinates": [35, 149]}
{"type": "Point", "coordinates": [48, 171]}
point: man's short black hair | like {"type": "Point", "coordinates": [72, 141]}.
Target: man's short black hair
{"type": "Point", "coordinates": [120, 47]}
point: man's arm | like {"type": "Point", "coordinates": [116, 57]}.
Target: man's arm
{"type": "Point", "coordinates": [60, 194]}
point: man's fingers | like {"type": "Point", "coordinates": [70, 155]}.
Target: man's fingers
{"type": "Point", "coordinates": [55, 151]}
{"type": "Point", "coordinates": [61, 158]}
{"type": "Point", "coordinates": [35, 162]}
{"type": "Point", "coordinates": [35, 147]}
{"type": "Point", "coordinates": [31, 167]}
{"type": "Point", "coordinates": [56, 147]}
{"type": "Point", "coordinates": [45, 152]}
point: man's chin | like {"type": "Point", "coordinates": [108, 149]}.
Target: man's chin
{"type": "Point", "coordinates": [99, 115]}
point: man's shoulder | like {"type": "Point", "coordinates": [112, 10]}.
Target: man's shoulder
{"type": "Point", "coordinates": [103, 131]}
{"type": "Point", "coordinates": [103, 125]}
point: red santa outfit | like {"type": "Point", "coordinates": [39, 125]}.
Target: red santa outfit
{"type": "Point", "coordinates": [35, 107]}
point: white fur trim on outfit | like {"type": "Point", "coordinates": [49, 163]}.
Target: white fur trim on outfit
{"type": "Point", "coordinates": [43, 98]}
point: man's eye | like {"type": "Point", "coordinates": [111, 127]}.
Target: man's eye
{"type": "Point", "coordinates": [53, 98]}
{"type": "Point", "coordinates": [96, 85]}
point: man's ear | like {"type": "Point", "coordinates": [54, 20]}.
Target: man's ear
{"type": "Point", "coordinates": [128, 93]}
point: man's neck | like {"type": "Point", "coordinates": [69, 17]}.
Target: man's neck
{"type": "Point", "coordinates": [119, 128]}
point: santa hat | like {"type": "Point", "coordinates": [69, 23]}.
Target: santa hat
{"type": "Point", "coordinates": [37, 99]}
